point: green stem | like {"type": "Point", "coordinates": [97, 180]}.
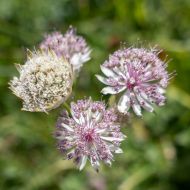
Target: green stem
{"type": "Point", "coordinates": [67, 107]}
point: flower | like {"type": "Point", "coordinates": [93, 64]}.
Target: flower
{"type": "Point", "coordinates": [92, 133]}
{"type": "Point", "coordinates": [139, 74]}
{"type": "Point", "coordinates": [45, 81]}
{"type": "Point", "coordinates": [69, 45]}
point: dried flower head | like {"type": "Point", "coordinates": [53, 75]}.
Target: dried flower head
{"type": "Point", "coordinates": [139, 74]}
{"type": "Point", "coordinates": [69, 45]}
{"type": "Point", "coordinates": [45, 81]}
{"type": "Point", "coordinates": [90, 133]}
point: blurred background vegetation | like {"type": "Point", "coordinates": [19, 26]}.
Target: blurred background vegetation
{"type": "Point", "coordinates": [157, 151]}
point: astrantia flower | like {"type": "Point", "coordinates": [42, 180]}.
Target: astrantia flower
{"type": "Point", "coordinates": [69, 45]}
{"type": "Point", "coordinates": [91, 133]}
{"type": "Point", "coordinates": [45, 81]}
{"type": "Point", "coordinates": [138, 75]}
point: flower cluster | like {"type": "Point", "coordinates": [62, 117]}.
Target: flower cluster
{"type": "Point", "coordinates": [139, 75]}
{"type": "Point", "coordinates": [45, 81]}
{"type": "Point", "coordinates": [91, 133]}
{"type": "Point", "coordinates": [89, 130]}
{"type": "Point", "coordinates": [70, 45]}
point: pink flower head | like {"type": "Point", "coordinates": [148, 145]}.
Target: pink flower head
{"type": "Point", "coordinates": [70, 45]}
{"type": "Point", "coordinates": [91, 133]}
{"type": "Point", "coordinates": [139, 74]}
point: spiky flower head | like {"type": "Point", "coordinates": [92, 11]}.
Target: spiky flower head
{"type": "Point", "coordinates": [69, 45]}
{"type": "Point", "coordinates": [91, 133]}
{"type": "Point", "coordinates": [138, 75]}
{"type": "Point", "coordinates": [45, 81]}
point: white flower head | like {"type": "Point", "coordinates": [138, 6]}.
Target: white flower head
{"type": "Point", "coordinates": [45, 81]}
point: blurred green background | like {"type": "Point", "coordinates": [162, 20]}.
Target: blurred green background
{"type": "Point", "coordinates": [157, 151]}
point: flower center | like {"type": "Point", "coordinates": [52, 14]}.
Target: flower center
{"type": "Point", "coordinates": [131, 83]}
{"type": "Point", "coordinates": [88, 137]}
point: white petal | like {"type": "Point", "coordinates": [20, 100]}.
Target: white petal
{"type": "Point", "coordinates": [83, 162]}
{"type": "Point", "coordinates": [73, 116]}
{"type": "Point", "coordinates": [118, 151]}
{"type": "Point", "coordinates": [161, 90]}
{"type": "Point", "coordinates": [86, 56]}
{"type": "Point", "coordinates": [102, 79]}
{"type": "Point", "coordinates": [143, 102]}
{"type": "Point", "coordinates": [88, 116]}
{"type": "Point", "coordinates": [98, 117]}
{"type": "Point", "coordinates": [76, 59]}
{"type": "Point", "coordinates": [109, 90]}
{"type": "Point", "coordinates": [135, 105]}
{"type": "Point", "coordinates": [148, 107]}
{"type": "Point", "coordinates": [95, 164]}
{"type": "Point", "coordinates": [111, 138]}
{"type": "Point", "coordinates": [108, 162]}
{"type": "Point", "coordinates": [67, 127]}
{"type": "Point", "coordinates": [145, 97]}
{"type": "Point", "coordinates": [137, 109]}
{"type": "Point", "coordinates": [119, 72]}
{"type": "Point", "coordinates": [147, 67]}
{"type": "Point", "coordinates": [124, 103]}
{"type": "Point", "coordinates": [69, 138]}
{"type": "Point", "coordinates": [100, 130]}
{"type": "Point", "coordinates": [122, 88]}
{"type": "Point", "coordinates": [115, 149]}
{"type": "Point", "coordinates": [107, 72]}
{"type": "Point", "coordinates": [81, 119]}
{"type": "Point", "coordinates": [18, 67]}
{"type": "Point", "coordinates": [147, 74]}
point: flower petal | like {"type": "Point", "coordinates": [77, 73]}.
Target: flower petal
{"type": "Point", "coordinates": [76, 60]}
{"type": "Point", "coordinates": [145, 97]}
{"type": "Point", "coordinates": [111, 138]}
{"type": "Point", "coordinates": [73, 115]}
{"type": "Point", "coordinates": [109, 90]}
{"type": "Point", "coordinates": [137, 109]}
{"type": "Point", "coordinates": [161, 90]}
{"type": "Point", "coordinates": [107, 72]}
{"type": "Point", "coordinates": [146, 105]}
{"type": "Point", "coordinates": [135, 105]}
{"type": "Point", "coordinates": [102, 79]}
{"type": "Point", "coordinates": [98, 117]}
{"type": "Point", "coordinates": [119, 72]}
{"type": "Point", "coordinates": [112, 90]}
{"type": "Point", "coordinates": [108, 162]}
{"type": "Point", "coordinates": [83, 162]}
{"type": "Point", "coordinates": [67, 127]}
{"type": "Point", "coordinates": [18, 67]}
{"type": "Point", "coordinates": [124, 103]}
{"type": "Point", "coordinates": [82, 119]}
{"type": "Point", "coordinates": [115, 149]}
{"type": "Point", "coordinates": [95, 164]}
{"type": "Point", "coordinates": [118, 151]}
